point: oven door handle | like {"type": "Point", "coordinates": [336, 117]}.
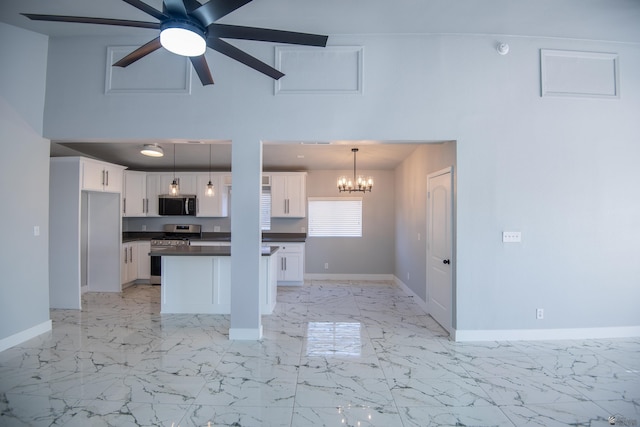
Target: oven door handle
{"type": "Point", "coordinates": [186, 205]}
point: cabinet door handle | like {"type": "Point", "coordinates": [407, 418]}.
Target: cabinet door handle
{"type": "Point", "coordinates": [125, 255]}
{"type": "Point", "coordinates": [103, 177]}
{"type": "Point", "coordinates": [285, 264]}
{"type": "Point", "coordinates": [143, 209]}
{"type": "Point", "coordinates": [131, 254]}
{"type": "Point", "coordinates": [107, 183]}
{"type": "Point", "coordinates": [124, 205]}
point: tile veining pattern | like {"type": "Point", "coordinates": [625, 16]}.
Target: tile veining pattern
{"type": "Point", "coordinates": [333, 354]}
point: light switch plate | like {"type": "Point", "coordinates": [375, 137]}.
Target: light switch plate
{"type": "Point", "coordinates": [511, 237]}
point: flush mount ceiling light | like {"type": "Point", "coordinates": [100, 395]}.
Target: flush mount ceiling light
{"type": "Point", "coordinates": [183, 38]}
{"type": "Point", "coordinates": [152, 150]}
{"type": "Point", "coordinates": [358, 183]}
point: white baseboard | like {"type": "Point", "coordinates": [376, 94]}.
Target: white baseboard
{"type": "Point", "coordinates": [546, 334]}
{"type": "Point", "coordinates": [422, 303]}
{"type": "Point", "coordinates": [25, 335]}
{"type": "Point", "coordinates": [373, 277]}
{"type": "Point", "coordinates": [245, 334]}
{"type": "Point", "coordinates": [530, 334]}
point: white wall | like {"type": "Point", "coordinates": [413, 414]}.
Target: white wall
{"type": "Point", "coordinates": [411, 206]}
{"type": "Point", "coordinates": [562, 170]}
{"type": "Point", "coordinates": [24, 172]}
{"type": "Point", "coordinates": [371, 254]}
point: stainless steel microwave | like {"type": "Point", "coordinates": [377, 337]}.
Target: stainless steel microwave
{"type": "Point", "coordinates": [182, 205]}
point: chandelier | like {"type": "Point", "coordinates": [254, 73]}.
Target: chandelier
{"type": "Point", "coordinates": [359, 183]}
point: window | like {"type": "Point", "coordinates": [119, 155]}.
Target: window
{"type": "Point", "coordinates": [335, 217]}
{"type": "Point", "coordinates": [265, 209]}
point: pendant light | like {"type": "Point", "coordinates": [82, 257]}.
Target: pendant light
{"type": "Point", "coordinates": [174, 188]}
{"type": "Point", "coordinates": [357, 184]}
{"type": "Point", "coordinates": [211, 190]}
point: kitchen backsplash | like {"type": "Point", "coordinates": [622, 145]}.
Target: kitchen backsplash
{"type": "Point", "coordinates": [278, 225]}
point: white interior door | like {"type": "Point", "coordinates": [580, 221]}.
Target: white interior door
{"type": "Point", "coordinates": [439, 242]}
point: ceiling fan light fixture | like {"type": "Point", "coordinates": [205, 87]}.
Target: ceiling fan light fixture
{"type": "Point", "coordinates": [183, 38]}
{"type": "Point", "coordinates": [152, 150]}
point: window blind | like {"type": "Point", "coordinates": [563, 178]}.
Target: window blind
{"type": "Point", "coordinates": [335, 217]}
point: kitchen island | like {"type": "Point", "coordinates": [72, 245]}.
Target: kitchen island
{"type": "Point", "coordinates": [197, 279]}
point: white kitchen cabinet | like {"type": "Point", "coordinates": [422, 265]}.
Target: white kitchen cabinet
{"type": "Point", "coordinates": [290, 263]}
{"type": "Point", "coordinates": [144, 260]}
{"type": "Point", "coordinates": [134, 195]}
{"type": "Point", "coordinates": [211, 206]}
{"type": "Point", "coordinates": [153, 191]}
{"type": "Point", "coordinates": [101, 176]}
{"type": "Point", "coordinates": [135, 261]}
{"type": "Point", "coordinates": [129, 262]}
{"type": "Point", "coordinates": [288, 195]}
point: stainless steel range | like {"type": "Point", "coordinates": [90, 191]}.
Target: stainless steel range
{"type": "Point", "coordinates": [174, 235]}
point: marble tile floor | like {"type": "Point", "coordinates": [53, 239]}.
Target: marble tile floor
{"type": "Point", "coordinates": [333, 354]}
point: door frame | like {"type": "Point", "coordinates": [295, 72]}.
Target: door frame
{"type": "Point", "coordinates": [450, 170]}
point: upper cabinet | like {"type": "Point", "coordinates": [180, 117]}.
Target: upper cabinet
{"type": "Point", "coordinates": [215, 205]}
{"type": "Point", "coordinates": [134, 194]}
{"type": "Point", "coordinates": [153, 191]}
{"type": "Point", "coordinates": [288, 194]}
{"type": "Point", "coordinates": [101, 176]}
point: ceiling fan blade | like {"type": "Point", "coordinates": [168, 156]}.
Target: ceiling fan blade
{"type": "Point", "coordinates": [213, 10]}
{"type": "Point", "coordinates": [88, 20]}
{"type": "Point", "coordinates": [202, 68]}
{"type": "Point", "coordinates": [140, 52]}
{"type": "Point", "coordinates": [147, 9]}
{"type": "Point", "coordinates": [192, 5]}
{"type": "Point", "coordinates": [266, 35]}
{"type": "Point", "coordinates": [175, 7]}
{"type": "Point", "coordinates": [240, 56]}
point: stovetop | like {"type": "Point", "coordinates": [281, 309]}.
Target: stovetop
{"type": "Point", "coordinates": [177, 235]}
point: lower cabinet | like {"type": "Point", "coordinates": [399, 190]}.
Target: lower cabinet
{"type": "Point", "coordinates": [144, 260]}
{"type": "Point", "coordinates": [135, 262]}
{"type": "Point", "coordinates": [290, 263]}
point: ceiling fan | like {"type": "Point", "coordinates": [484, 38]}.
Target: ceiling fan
{"type": "Point", "coordinates": [188, 27]}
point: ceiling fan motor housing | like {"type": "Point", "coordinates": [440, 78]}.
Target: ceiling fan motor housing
{"type": "Point", "coordinates": [183, 37]}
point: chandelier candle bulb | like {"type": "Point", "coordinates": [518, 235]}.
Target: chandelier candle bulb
{"type": "Point", "coordinates": [358, 184]}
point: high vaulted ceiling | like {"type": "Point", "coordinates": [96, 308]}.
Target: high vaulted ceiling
{"type": "Point", "coordinates": [586, 19]}
{"type": "Point", "coordinates": [615, 20]}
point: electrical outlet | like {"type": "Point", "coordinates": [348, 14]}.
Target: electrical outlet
{"type": "Point", "coordinates": [326, 265]}
{"type": "Point", "coordinates": [36, 230]}
{"type": "Point", "coordinates": [144, 227]}
{"type": "Point", "coordinates": [511, 237]}
{"type": "Point", "coordinates": [216, 228]}
{"type": "Point", "coordinates": [540, 313]}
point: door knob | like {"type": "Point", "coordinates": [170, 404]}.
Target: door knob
{"type": "Point", "coordinates": [446, 261]}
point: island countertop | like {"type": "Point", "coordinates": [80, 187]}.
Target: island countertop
{"type": "Point", "coordinates": [204, 251]}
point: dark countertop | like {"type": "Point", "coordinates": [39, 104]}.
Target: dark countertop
{"type": "Point", "coordinates": [266, 237]}
{"type": "Point", "coordinates": [132, 236]}
{"type": "Point", "coordinates": [203, 251]}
